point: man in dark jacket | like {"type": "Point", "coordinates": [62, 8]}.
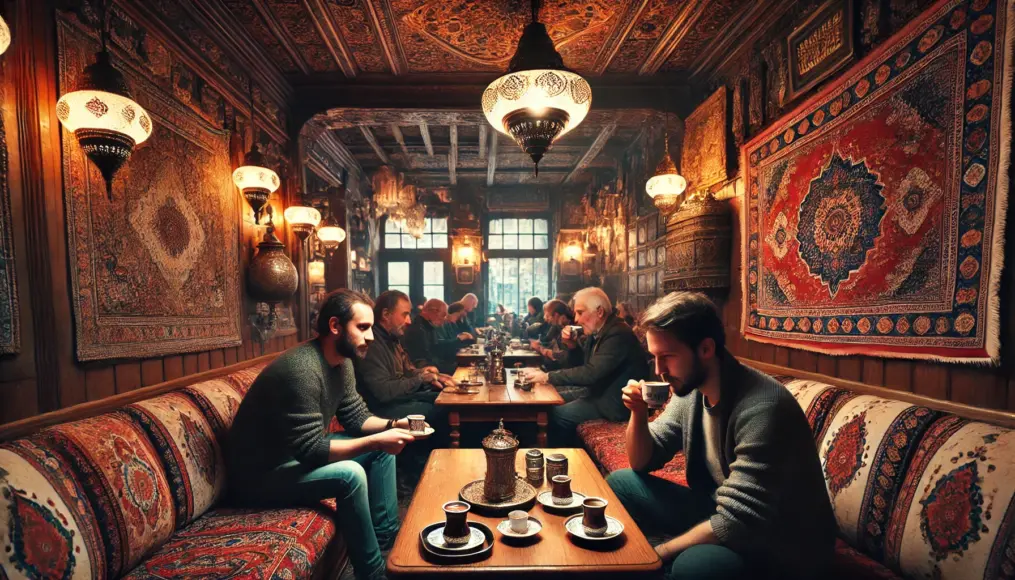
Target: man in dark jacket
{"type": "Point", "coordinates": [756, 504]}
{"type": "Point", "coordinates": [603, 361]}
{"type": "Point", "coordinates": [390, 383]}
{"type": "Point", "coordinates": [456, 323]}
{"type": "Point", "coordinates": [425, 346]}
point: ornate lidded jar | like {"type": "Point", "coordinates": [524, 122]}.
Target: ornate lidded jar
{"type": "Point", "coordinates": [500, 447]}
{"type": "Point", "coordinates": [495, 367]}
{"type": "Point", "coordinates": [699, 238]}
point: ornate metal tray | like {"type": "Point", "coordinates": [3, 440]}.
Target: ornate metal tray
{"type": "Point", "coordinates": [525, 496]}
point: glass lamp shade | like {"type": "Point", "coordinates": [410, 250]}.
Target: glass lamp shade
{"type": "Point", "coordinates": [331, 236]}
{"type": "Point", "coordinates": [315, 272]}
{"type": "Point", "coordinates": [5, 36]}
{"type": "Point", "coordinates": [467, 255]}
{"type": "Point", "coordinates": [573, 251]}
{"type": "Point", "coordinates": [256, 181]}
{"type": "Point", "coordinates": [104, 118]}
{"type": "Point", "coordinates": [415, 220]}
{"type": "Point", "coordinates": [667, 187]}
{"type": "Point", "coordinates": [302, 220]}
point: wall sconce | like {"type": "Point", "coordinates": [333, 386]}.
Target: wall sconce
{"type": "Point", "coordinates": [571, 254]}
{"type": "Point", "coordinates": [254, 178]}
{"type": "Point", "coordinates": [315, 272]}
{"type": "Point", "coordinates": [271, 278]}
{"type": "Point", "coordinates": [573, 251]}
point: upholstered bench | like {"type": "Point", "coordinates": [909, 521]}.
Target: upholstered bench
{"type": "Point", "coordinates": [134, 493]}
{"type": "Point", "coordinates": [917, 493]}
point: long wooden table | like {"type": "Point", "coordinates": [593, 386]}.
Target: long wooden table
{"type": "Point", "coordinates": [528, 358]}
{"type": "Point", "coordinates": [553, 552]}
{"type": "Point", "coordinates": [494, 402]}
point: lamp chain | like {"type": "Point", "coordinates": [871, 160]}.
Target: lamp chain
{"type": "Point", "coordinates": [104, 25]}
{"type": "Point", "coordinates": [535, 11]}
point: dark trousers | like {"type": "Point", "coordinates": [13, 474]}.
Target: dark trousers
{"type": "Point", "coordinates": [663, 507]}
{"type": "Point", "coordinates": [564, 420]}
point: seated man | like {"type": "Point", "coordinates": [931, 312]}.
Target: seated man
{"type": "Point", "coordinates": [603, 362]}
{"type": "Point", "coordinates": [468, 322]}
{"type": "Point", "coordinates": [757, 505]}
{"type": "Point", "coordinates": [557, 315]}
{"type": "Point", "coordinates": [279, 452]}
{"type": "Point", "coordinates": [425, 346]}
{"type": "Point", "coordinates": [391, 385]}
{"type": "Point", "coordinates": [456, 324]}
{"type": "Point", "coordinates": [534, 325]}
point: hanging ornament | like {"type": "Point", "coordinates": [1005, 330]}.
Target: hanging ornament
{"type": "Point", "coordinates": [667, 187]}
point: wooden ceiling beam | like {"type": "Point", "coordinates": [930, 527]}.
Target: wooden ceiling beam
{"type": "Point", "coordinates": [368, 134]}
{"type": "Point", "coordinates": [453, 155]}
{"type": "Point", "coordinates": [734, 40]}
{"type": "Point", "coordinates": [280, 34]}
{"type": "Point", "coordinates": [397, 132]}
{"type": "Point", "coordinates": [610, 48]}
{"type": "Point", "coordinates": [491, 161]}
{"type": "Point", "coordinates": [482, 141]}
{"type": "Point", "coordinates": [331, 36]}
{"type": "Point", "coordinates": [597, 146]}
{"type": "Point", "coordinates": [672, 37]}
{"type": "Point", "coordinates": [424, 130]}
{"type": "Point", "coordinates": [391, 53]}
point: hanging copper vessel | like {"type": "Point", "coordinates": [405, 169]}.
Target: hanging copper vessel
{"type": "Point", "coordinates": [271, 276]}
{"type": "Point", "coordinates": [500, 447]}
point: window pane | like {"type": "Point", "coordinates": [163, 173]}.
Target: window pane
{"type": "Point", "coordinates": [510, 242]}
{"type": "Point", "coordinates": [524, 242]}
{"type": "Point", "coordinates": [440, 225]}
{"type": "Point", "coordinates": [510, 226]}
{"type": "Point", "coordinates": [408, 242]}
{"type": "Point", "coordinates": [511, 283]}
{"type": "Point", "coordinates": [495, 241]}
{"type": "Point", "coordinates": [426, 225]}
{"type": "Point", "coordinates": [433, 273]}
{"type": "Point", "coordinates": [440, 240]}
{"type": "Point", "coordinates": [541, 226]}
{"type": "Point", "coordinates": [524, 226]}
{"type": "Point", "coordinates": [541, 285]}
{"type": "Point", "coordinates": [404, 289]}
{"type": "Point", "coordinates": [390, 226]}
{"type": "Point", "coordinates": [398, 273]}
{"type": "Point", "coordinates": [392, 241]}
{"type": "Point", "coordinates": [495, 226]}
{"type": "Point", "coordinates": [525, 280]}
{"type": "Point", "coordinates": [425, 242]}
{"type": "Point", "coordinates": [434, 292]}
{"type": "Point", "coordinates": [541, 242]}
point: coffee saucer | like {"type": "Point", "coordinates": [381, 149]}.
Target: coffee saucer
{"type": "Point", "coordinates": [546, 498]}
{"type": "Point", "coordinates": [436, 539]}
{"type": "Point", "coordinates": [535, 526]}
{"type": "Point", "coordinates": [425, 434]}
{"type": "Point", "coordinates": [574, 526]}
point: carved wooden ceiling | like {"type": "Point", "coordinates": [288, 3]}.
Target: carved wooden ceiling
{"type": "Point", "coordinates": [398, 37]}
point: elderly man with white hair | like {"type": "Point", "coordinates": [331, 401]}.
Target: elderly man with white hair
{"type": "Point", "coordinates": [426, 346]}
{"type": "Point", "coordinates": [603, 359]}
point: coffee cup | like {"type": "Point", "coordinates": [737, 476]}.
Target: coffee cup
{"type": "Point", "coordinates": [576, 331]}
{"type": "Point", "coordinates": [561, 494]}
{"type": "Point", "coordinates": [556, 464]}
{"type": "Point", "coordinates": [417, 423]}
{"type": "Point", "coordinates": [519, 521]}
{"type": "Point", "coordinates": [456, 527]}
{"type": "Point", "coordinates": [655, 393]}
{"type": "Point", "coordinates": [594, 516]}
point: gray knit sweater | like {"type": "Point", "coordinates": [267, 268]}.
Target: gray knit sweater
{"type": "Point", "coordinates": [773, 508]}
{"type": "Point", "coordinates": [286, 413]}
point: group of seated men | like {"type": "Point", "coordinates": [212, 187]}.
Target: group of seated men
{"type": "Point", "coordinates": [756, 504]}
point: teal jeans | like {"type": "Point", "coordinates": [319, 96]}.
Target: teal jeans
{"type": "Point", "coordinates": [365, 493]}
{"type": "Point", "coordinates": [660, 506]}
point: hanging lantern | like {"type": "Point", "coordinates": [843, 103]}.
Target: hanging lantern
{"type": "Point", "coordinates": [271, 276]}
{"type": "Point", "coordinates": [415, 220]}
{"type": "Point", "coordinates": [667, 187]}
{"type": "Point", "coordinates": [539, 100]}
{"type": "Point", "coordinates": [315, 272]}
{"type": "Point", "coordinates": [102, 114]}
{"type": "Point", "coordinates": [5, 36]}
{"type": "Point", "coordinates": [390, 195]}
{"type": "Point", "coordinates": [302, 219]}
{"type": "Point", "coordinates": [330, 234]}
{"type": "Point", "coordinates": [254, 179]}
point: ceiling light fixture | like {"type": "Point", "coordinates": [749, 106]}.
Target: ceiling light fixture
{"type": "Point", "coordinates": [254, 178]}
{"type": "Point", "coordinates": [667, 187]}
{"type": "Point", "coordinates": [102, 113]}
{"type": "Point", "coordinates": [539, 99]}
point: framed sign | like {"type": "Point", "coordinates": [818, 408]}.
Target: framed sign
{"type": "Point", "coordinates": [465, 275]}
{"type": "Point", "coordinates": [820, 46]}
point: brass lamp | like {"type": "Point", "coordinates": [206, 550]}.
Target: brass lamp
{"type": "Point", "coordinates": [254, 179]}
{"type": "Point", "coordinates": [667, 187]}
{"type": "Point", "coordinates": [271, 278]}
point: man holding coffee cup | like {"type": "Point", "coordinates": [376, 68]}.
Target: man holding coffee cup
{"type": "Point", "coordinates": [603, 361]}
{"type": "Point", "coordinates": [756, 505]}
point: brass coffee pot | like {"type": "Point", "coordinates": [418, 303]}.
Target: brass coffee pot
{"type": "Point", "coordinates": [500, 447]}
{"type": "Point", "coordinates": [495, 374]}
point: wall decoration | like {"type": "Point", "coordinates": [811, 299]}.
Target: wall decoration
{"type": "Point", "coordinates": [820, 46]}
{"type": "Point", "coordinates": [703, 158]}
{"type": "Point", "coordinates": [155, 271]}
{"type": "Point", "coordinates": [875, 212]}
{"type": "Point", "coordinates": [698, 246]}
{"type": "Point", "coordinates": [10, 325]}
{"type": "Point", "coordinates": [465, 275]}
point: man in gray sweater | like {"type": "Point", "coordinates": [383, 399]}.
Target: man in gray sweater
{"type": "Point", "coordinates": [279, 452]}
{"type": "Point", "coordinates": [756, 506]}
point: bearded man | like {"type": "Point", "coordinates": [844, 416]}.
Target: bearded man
{"type": "Point", "coordinates": [756, 504]}
{"type": "Point", "coordinates": [279, 451]}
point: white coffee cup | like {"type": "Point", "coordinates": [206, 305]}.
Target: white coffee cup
{"type": "Point", "coordinates": [519, 521]}
{"type": "Point", "coordinates": [655, 393]}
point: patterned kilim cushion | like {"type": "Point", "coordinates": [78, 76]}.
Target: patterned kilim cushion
{"type": "Point", "coordinates": [242, 379]}
{"type": "Point", "coordinates": [185, 441]}
{"type": "Point", "coordinates": [605, 442]}
{"type": "Point", "coordinates": [849, 564]}
{"type": "Point", "coordinates": [241, 543]}
{"type": "Point", "coordinates": [219, 400]}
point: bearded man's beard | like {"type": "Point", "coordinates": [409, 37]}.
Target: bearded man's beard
{"type": "Point", "coordinates": [347, 349]}
{"type": "Point", "coordinates": [693, 381]}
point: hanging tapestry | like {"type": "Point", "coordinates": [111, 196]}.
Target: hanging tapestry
{"type": "Point", "coordinates": [154, 271]}
{"type": "Point", "coordinates": [10, 339]}
{"type": "Point", "coordinates": [874, 220]}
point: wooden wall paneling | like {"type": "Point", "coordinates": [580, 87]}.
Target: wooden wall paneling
{"type": "Point", "coordinates": [217, 358]}
{"type": "Point", "coordinates": [803, 360]}
{"type": "Point", "coordinates": [979, 387]}
{"type": "Point", "coordinates": [1011, 394]}
{"type": "Point", "coordinates": [152, 372]}
{"type": "Point", "coordinates": [230, 356]}
{"type": "Point", "coordinates": [203, 362]}
{"type": "Point", "coordinates": [19, 400]}
{"type": "Point", "coordinates": [931, 380]}
{"type": "Point", "coordinates": [100, 383]}
{"type": "Point", "coordinates": [827, 365]}
{"type": "Point", "coordinates": [128, 377]}
{"type": "Point", "coordinates": [190, 365]}
{"type": "Point", "coordinates": [873, 371]}
{"type": "Point", "coordinates": [899, 375]}
{"type": "Point", "coordinates": [173, 367]}
{"type": "Point", "coordinates": [849, 368]}
{"type": "Point", "coordinates": [782, 356]}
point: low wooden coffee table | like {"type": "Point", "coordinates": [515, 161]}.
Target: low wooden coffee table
{"type": "Point", "coordinates": [494, 402]}
{"type": "Point", "coordinates": [554, 552]}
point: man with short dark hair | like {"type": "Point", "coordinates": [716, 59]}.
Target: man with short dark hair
{"type": "Point", "coordinates": [425, 346]}
{"type": "Point", "coordinates": [457, 323]}
{"type": "Point", "coordinates": [756, 505]}
{"type": "Point", "coordinates": [279, 452]}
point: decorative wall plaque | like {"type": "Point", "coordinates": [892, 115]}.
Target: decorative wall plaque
{"type": "Point", "coordinates": [820, 46]}
{"type": "Point", "coordinates": [703, 155]}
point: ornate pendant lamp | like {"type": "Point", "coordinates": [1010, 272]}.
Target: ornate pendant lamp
{"type": "Point", "coordinates": [415, 220]}
{"type": "Point", "coordinates": [254, 178]}
{"type": "Point", "coordinates": [102, 113]}
{"type": "Point", "coordinates": [667, 187]}
{"type": "Point", "coordinates": [330, 234]}
{"type": "Point", "coordinates": [5, 36]}
{"type": "Point", "coordinates": [539, 99]}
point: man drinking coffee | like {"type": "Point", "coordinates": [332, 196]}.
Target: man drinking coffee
{"type": "Point", "coordinates": [756, 505]}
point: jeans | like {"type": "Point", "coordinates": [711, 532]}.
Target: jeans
{"type": "Point", "coordinates": [364, 490]}
{"type": "Point", "coordinates": [562, 430]}
{"type": "Point", "coordinates": [660, 506]}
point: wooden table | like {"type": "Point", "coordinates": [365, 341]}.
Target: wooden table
{"type": "Point", "coordinates": [494, 402]}
{"type": "Point", "coordinates": [528, 358]}
{"type": "Point", "coordinates": [553, 552]}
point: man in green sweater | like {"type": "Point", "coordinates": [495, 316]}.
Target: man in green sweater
{"type": "Point", "coordinates": [756, 505]}
{"type": "Point", "coordinates": [279, 452]}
